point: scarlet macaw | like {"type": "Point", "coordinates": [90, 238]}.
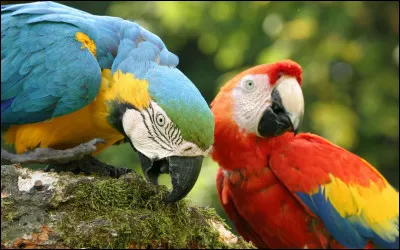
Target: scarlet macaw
{"type": "Point", "coordinates": [288, 190]}
{"type": "Point", "coordinates": [69, 77]}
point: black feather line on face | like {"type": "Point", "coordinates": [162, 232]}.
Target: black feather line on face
{"type": "Point", "coordinates": [147, 127]}
{"type": "Point", "coordinates": [173, 134]}
{"type": "Point", "coordinates": [151, 133]}
{"type": "Point", "coordinates": [170, 137]}
{"type": "Point", "coordinates": [168, 130]}
{"type": "Point", "coordinates": [155, 130]}
{"type": "Point", "coordinates": [180, 141]}
{"type": "Point", "coordinates": [176, 135]}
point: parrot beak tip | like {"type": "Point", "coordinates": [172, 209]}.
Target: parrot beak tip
{"type": "Point", "coordinates": [184, 172]}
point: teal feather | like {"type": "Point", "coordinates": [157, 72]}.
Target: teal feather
{"type": "Point", "coordinates": [46, 74]}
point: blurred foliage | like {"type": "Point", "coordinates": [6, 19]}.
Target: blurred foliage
{"type": "Point", "coordinates": [349, 52]}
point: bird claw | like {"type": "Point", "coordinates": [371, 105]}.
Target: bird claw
{"type": "Point", "coordinates": [95, 141]}
{"type": "Point", "coordinates": [75, 160]}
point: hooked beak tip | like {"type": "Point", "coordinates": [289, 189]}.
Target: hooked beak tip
{"type": "Point", "coordinates": [184, 172]}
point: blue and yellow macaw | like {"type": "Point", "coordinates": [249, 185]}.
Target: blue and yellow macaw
{"type": "Point", "coordinates": [68, 77]}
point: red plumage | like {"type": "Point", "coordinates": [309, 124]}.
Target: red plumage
{"type": "Point", "coordinates": [274, 217]}
{"type": "Point", "coordinates": [259, 178]}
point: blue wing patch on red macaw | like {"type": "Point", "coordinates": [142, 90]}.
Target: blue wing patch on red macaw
{"type": "Point", "coordinates": [346, 231]}
{"type": "Point", "coordinates": [340, 228]}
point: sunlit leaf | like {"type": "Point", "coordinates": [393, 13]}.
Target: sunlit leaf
{"type": "Point", "coordinates": [223, 11]}
{"type": "Point", "coordinates": [208, 43]}
{"type": "Point", "coordinates": [396, 55]}
{"type": "Point", "coordinates": [273, 24]}
{"type": "Point", "coordinates": [352, 52]}
{"type": "Point", "coordinates": [228, 58]}
{"type": "Point", "coordinates": [278, 51]}
{"type": "Point", "coordinates": [302, 28]}
{"type": "Point", "coordinates": [335, 122]}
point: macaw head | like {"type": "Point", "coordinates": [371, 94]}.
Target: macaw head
{"type": "Point", "coordinates": [166, 120]}
{"type": "Point", "coordinates": [265, 100]}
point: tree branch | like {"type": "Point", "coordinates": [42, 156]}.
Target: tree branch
{"type": "Point", "coordinates": [62, 210]}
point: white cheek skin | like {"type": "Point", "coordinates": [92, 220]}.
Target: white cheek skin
{"type": "Point", "coordinates": [135, 128]}
{"type": "Point", "coordinates": [249, 105]}
{"type": "Point", "coordinates": [193, 151]}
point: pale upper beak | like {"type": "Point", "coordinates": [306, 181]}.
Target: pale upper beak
{"type": "Point", "coordinates": [286, 110]}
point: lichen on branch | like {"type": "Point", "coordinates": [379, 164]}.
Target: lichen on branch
{"type": "Point", "coordinates": [45, 210]}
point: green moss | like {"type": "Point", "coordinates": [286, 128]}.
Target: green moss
{"type": "Point", "coordinates": [6, 210]}
{"type": "Point", "coordinates": [130, 212]}
{"type": "Point", "coordinates": [4, 203]}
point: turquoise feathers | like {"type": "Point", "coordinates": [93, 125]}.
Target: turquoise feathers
{"type": "Point", "coordinates": [47, 72]}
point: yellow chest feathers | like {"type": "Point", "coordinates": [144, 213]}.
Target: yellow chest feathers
{"type": "Point", "coordinates": [85, 124]}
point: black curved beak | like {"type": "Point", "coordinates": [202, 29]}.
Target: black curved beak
{"type": "Point", "coordinates": [274, 124]}
{"type": "Point", "coordinates": [275, 120]}
{"type": "Point", "coordinates": [184, 172]}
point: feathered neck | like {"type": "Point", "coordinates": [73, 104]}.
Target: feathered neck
{"type": "Point", "coordinates": [235, 149]}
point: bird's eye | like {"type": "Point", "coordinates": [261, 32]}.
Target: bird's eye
{"type": "Point", "coordinates": [160, 120]}
{"type": "Point", "coordinates": [249, 84]}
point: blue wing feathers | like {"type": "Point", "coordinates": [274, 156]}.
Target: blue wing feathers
{"type": "Point", "coordinates": [6, 103]}
{"type": "Point", "coordinates": [339, 227]}
{"type": "Point", "coordinates": [385, 244]}
{"type": "Point", "coordinates": [148, 36]}
{"type": "Point", "coordinates": [168, 59]}
{"type": "Point", "coordinates": [6, 6]}
{"type": "Point", "coordinates": [65, 77]}
{"type": "Point", "coordinates": [46, 74]}
{"type": "Point", "coordinates": [347, 231]}
{"type": "Point", "coordinates": [38, 59]}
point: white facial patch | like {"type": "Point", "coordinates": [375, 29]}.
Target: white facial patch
{"type": "Point", "coordinates": [251, 97]}
{"type": "Point", "coordinates": [155, 135]}
{"type": "Point", "coordinates": [292, 98]}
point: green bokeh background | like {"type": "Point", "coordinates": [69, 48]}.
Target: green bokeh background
{"type": "Point", "coordinates": [349, 52]}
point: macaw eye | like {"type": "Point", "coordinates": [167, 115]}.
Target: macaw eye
{"type": "Point", "coordinates": [160, 120]}
{"type": "Point", "coordinates": [249, 84]}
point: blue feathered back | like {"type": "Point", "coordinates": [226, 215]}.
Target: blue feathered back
{"type": "Point", "coordinates": [46, 72]}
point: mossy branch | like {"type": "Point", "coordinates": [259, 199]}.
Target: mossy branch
{"type": "Point", "coordinates": [50, 210]}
